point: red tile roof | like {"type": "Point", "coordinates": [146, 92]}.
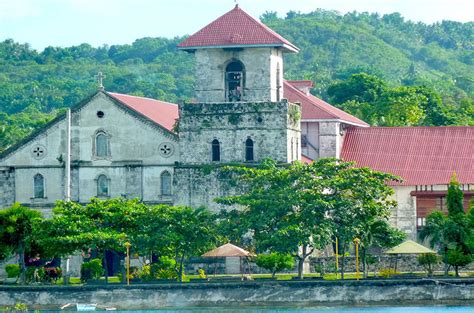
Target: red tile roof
{"type": "Point", "coordinates": [163, 113]}
{"type": "Point", "coordinates": [306, 159]}
{"type": "Point", "coordinates": [236, 28]}
{"type": "Point", "coordinates": [301, 83]}
{"type": "Point", "coordinates": [316, 109]}
{"type": "Point", "coordinates": [420, 155]}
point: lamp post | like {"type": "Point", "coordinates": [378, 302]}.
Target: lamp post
{"type": "Point", "coordinates": [337, 256]}
{"type": "Point", "coordinates": [128, 245]}
{"type": "Point", "coordinates": [357, 242]}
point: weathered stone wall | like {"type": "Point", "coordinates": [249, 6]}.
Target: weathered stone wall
{"type": "Point", "coordinates": [7, 187]}
{"type": "Point", "coordinates": [268, 124]}
{"type": "Point", "coordinates": [272, 293]}
{"type": "Point", "coordinates": [133, 166]}
{"type": "Point", "coordinates": [329, 139]}
{"type": "Point", "coordinates": [197, 186]}
{"type": "Point", "coordinates": [260, 73]}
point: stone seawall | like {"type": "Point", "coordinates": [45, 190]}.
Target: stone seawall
{"type": "Point", "coordinates": [271, 293]}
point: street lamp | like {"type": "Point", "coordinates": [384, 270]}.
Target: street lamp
{"type": "Point", "coordinates": [357, 242]}
{"type": "Point", "coordinates": [128, 245]}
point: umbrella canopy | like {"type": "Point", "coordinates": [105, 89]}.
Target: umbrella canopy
{"type": "Point", "coordinates": [227, 250]}
{"type": "Point", "coordinates": [409, 247]}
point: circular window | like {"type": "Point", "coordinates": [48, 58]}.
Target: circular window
{"type": "Point", "coordinates": [166, 149]}
{"type": "Point", "coordinates": [100, 114]}
{"type": "Point", "coordinates": [259, 119]}
{"type": "Point", "coordinates": [38, 152]}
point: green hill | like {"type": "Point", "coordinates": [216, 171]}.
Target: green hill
{"type": "Point", "coordinates": [333, 46]}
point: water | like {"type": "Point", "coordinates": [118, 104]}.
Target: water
{"type": "Point", "coordinates": [414, 309]}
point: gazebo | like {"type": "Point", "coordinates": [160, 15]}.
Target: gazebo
{"type": "Point", "coordinates": [230, 252]}
{"type": "Point", "coordinates": [408, 247]}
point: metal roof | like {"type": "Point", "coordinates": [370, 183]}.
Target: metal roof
{"type": "Point", "coordinates": [420, 155]}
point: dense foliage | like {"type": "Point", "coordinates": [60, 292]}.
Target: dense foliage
{"type": "Point", "coordinates": [453, 234]}
{"type": "Point", "coordinates": [415, 62]}
{"type": "Point", "coordinates": [301, 208]}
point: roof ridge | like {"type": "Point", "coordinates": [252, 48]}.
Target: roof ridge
{"type": "Point", "coordinates": [127, 95]}
{"type": "Point", "coordinates": [306, 96]}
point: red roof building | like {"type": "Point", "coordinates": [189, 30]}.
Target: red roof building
{"type": "Point", "coordinates": [236, 29]}
{"type": "Point", "coordinates": [315, 109]}
{"type": "Point", "coordinates": [162, 113]}
{"type": "Point", "coordinates": [420, 155]}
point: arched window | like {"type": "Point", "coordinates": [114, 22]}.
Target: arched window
{"type": "Point", "coordinates": [38, 182]}
{"type": "Point", "coordinates": [249, 150]}
{"type": "Point", "coordinates": [102, 186]}
{"type": "Point", "coordinates": [216, 150]}
{"type": "Point", "coordinates": [234, 75]}
{"type": "Point", "coordinates": [101, 145]}
{"type": "Point", "coordinates": [165, 180]}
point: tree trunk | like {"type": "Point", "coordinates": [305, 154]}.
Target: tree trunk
{"type": "Point", "coordinates": [342, 259]}
{"type": "Point", "coordinates": [456, 270]}
{"type": "Point", "coordinates": [106, 272]}
{"type": "Point", "coordinates": [21, 262]}
{"type": "Point", "coordinates": [273, 274]}
{"type": "Point", "coordinates": [301, 260]}
{"type": "Point", "coordinates": [181, 261]}
{"type": "Point", "coordinates": [445, 260]}
{"type": "Point", "coordinates": [364, 262]}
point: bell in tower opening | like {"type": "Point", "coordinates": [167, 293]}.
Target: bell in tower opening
{"type": "Point", "coordinates": [234, 81]}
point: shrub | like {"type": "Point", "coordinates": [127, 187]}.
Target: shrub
{"type": "Point", "coordinates": [91, 270]}
{"type": "Point", "coordinates": [387, 272]}
{"type": "Point", "coordinates": [164, 268]}
{"type": "Point", "coordinates": [52, 273]}
{"type": "Point", "coordinates": [457, 258]}
{"type": "Point", "coordinates": [202, 273]}
{"type": "Point", "coordinates": [13, 270]}
{"type": "Point", "coordinates": [275, 262]}
{"type": "Point", "coordinates": [428, 260]}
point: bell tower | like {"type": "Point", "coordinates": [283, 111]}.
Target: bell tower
{"type": "Point", "coordinates": [239, 115]}
{"type": "Point", "coordinates": [238, 59]}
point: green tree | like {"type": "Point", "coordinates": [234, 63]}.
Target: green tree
{"type": "Point", "coordinates": [190, 232]}
{"type": "Point", "coordinates": [296, 209]}
{"type": "Point", "coordinates": [283, 208]}
{"type": "Point", "coordinates": [454, 197]}
{"type": "Point", "coordinates": [17, 226]}
{"type": "Point", "coordinates": [428, 260]}
{"type": "Point", "coordinates": [275, 262]}
{"type": "Point", "coordinates": [101, 225]}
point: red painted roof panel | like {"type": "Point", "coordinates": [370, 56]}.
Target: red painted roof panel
{"type": "Point", "coordinates": [160, 112]}
{"type": "Point", "coordinates": [315, 109]}
{"type": "Point", "coordinates": [420, 155]}
{"type": "Point", "coordinates": [233, 29]}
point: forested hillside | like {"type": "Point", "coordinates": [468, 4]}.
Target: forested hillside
{"type": "Point", "coordinates": [410, 65]}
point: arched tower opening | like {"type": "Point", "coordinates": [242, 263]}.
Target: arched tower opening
{"type": "Point", "coordinates": [234, 81]}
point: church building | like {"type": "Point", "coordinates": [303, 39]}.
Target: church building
{"type": "Point", "coordinates": [116, 145]}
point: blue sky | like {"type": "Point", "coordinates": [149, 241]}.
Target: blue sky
{"type": "Point", "coordinates": [45, 23]}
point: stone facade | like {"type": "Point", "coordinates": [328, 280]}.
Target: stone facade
{"type": "Point", "coordinates": [263, 73]}
{"type": "Point", "coordinates": [133, 164]}
{"type": "Point", "coordinates": [273, 127]}
{"type": "Point", "coordinates": [7, 186]}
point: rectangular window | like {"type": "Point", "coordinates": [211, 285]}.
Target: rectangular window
{"type": "Point", "coordinates": [420, 221]}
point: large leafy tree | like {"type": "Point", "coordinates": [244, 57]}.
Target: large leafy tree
{"type": "Point", "coordinates": [451, 234]}
{"type": "Point", "coordinates": [296, 209]}
{"type": "Point", "coordinates": [17, 226]}
{"type": "Point", "coordinates": [102, 225]}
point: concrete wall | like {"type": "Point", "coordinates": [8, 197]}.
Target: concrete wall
{"type": "Point", "coordinates": [270, 294]}
{"type": "Point", "coordinates": [260, 73]}
{"type": "Point", "coordinates": [134, 163]}
{"type": "Point", "coordinates": [404, 216]}
{"type": "Point", "coordinates": [329, 139]}
{"type": "Point", "coordinates": [311, 131]}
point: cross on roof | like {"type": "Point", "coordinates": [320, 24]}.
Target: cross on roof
{"type": "Point", "coordinates": [100, 77]}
